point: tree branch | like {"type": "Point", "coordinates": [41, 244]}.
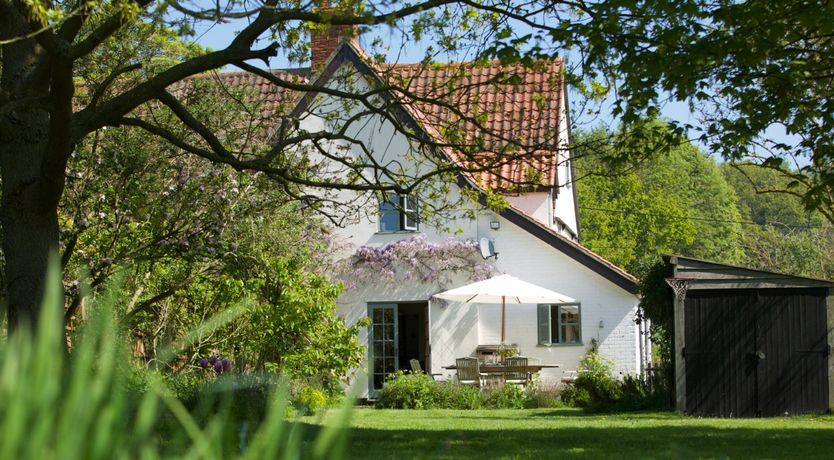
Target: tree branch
{"type": "Point", "coordinates": [91, 118]}
{"type": "Point", "coordinates": [109, 27]}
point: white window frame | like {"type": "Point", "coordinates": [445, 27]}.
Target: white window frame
{"type": "Point", "coordinates": [407, 213]}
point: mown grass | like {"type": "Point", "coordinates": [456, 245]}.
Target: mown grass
{"type": "Point", "coordinates": [570, 433]}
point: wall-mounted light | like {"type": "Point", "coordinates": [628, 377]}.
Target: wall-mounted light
{"type": "Point", "coordinates": [601, 324]}
{"type": "Point", "coordinates": [494, 224]}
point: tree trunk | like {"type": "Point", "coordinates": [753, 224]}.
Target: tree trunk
{"type": "Point", "coordinates": [30, 236]}
{"type": "Point", "coordinates": [30, 190]}
{"type": "Point", "coordinates": [29, 218]}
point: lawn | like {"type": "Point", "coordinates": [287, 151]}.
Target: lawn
{"type": "Point", "coordinates": [561, 433]}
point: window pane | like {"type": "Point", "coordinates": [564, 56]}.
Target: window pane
{"type": "Point", "coordinates": [389, 215]}
{"type": "Point", "coordinates": [570, 333]}
{"type": "Point", "coordinates": [554, 324]}
{"type": "Point", "coordinates": [570, 314]}
{"type": "Point", "coordinates": [410, 216]}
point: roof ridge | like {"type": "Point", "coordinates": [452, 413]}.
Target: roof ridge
{"type": "Point", "coordinates": [491, 62]}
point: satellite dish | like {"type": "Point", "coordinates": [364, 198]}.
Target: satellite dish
{"type": "Point", "coordinates": [487, 248]}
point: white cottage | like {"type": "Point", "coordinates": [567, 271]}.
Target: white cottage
{"type": "Point", "coordinates": [536, 236]}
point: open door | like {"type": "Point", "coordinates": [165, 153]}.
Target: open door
{"type": "Point", "coordinates": [412, 334]}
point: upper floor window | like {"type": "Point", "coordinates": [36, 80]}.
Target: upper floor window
{"type": "Point", "coordinates": [559, 324]}
{"type": "Point", "coordinates": [398, 213]}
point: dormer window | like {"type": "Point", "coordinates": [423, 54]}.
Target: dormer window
{"type": "Point", "coordinates": [398, 213]}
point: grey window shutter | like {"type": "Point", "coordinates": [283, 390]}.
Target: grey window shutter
{"type": "Point", "coordinates": [544, 324]}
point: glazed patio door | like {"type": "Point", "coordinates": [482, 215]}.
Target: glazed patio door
{"type": "Point", "coordinates": [382, 338]}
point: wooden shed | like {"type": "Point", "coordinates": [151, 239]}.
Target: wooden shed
{"type": "Point", "coordinates": [750, 343]}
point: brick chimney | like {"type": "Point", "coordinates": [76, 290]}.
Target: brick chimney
{"type": "Point", "coordinates": [324, 43]}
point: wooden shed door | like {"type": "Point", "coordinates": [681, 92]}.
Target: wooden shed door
{"type": "Point", "coordinates": [756, 352]}
{"type": "Point", "coordinates": [720, 372]}
{"type": "Point", "coordinates": [791, 337]}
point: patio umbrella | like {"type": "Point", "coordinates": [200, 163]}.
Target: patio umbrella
{"type": "Point", "coordinates": [503, 289]}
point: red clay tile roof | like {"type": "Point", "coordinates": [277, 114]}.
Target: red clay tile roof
{"type": "Point", "coordinates": [273, 99]}
{"type": "Point", "coordinates": [490, 109]}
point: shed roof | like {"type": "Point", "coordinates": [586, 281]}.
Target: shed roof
{"type": "Point", "coordinates": [703, 274]}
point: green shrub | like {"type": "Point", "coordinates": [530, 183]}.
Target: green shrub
{"type": "Point", "coordinates": [308, 400]}
{"type": "Point", "coordinates": [406, 391]}
{"type": "Point", "coordinates": [419, 391]}
{"type": "Point", "coordinates": [452, 395]}
{"type": "Point", "coordinates": [504, 397]}
{"type": "Point", "coordinates": [541, 396]}
{"type": "Point", "coordinates": [575, 396]}
{"type": "Point", "coordinates": [596, 390]}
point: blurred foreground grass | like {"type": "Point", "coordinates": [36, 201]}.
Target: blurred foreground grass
{"type": "Point", "coordinates": [83, 405]}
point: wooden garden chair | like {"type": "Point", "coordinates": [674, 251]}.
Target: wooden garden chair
{"type": "Point", "coordinates": [469, 372]}
{"type": "Point", "coordinates": [416, 368]}
{"type": "Point", "coordinates": [516, 371]}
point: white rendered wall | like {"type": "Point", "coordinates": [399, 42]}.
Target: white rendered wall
{"type": "Point", "coordinates": [537, 204]}
{"type": "Point", "coordinates": [565, 208]}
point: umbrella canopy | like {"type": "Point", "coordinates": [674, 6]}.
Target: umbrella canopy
{"type": "Point", "coordinates": [503, 289]}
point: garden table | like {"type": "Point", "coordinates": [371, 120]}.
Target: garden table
{"type": "Point", "coordinates": [499, 368]}
{"type": "Point", "coordinates": [495, 372]}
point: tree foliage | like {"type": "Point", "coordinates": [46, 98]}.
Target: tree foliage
{"type": "Point", "coordinates": [71, 68]}
{"type": "Point", "coordinates": [193, 240]}
{"type": "Point", "coordinates": [675, 202]}
{"type": "Point", "coordinates": [782, 235]}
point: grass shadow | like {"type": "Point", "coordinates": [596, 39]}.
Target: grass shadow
{"type": "Point", "coordinates": [593, 442]}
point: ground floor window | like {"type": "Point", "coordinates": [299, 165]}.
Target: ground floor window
{"type": "Point", "coordinates": [560, 324]}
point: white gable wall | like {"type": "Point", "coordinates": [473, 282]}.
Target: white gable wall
{"type": "Point", "coordinates": [530, 259]}
{"type": "Point", "coordinates": [565, 203]}
{"type": "Point", "coordinates": [539, 205]}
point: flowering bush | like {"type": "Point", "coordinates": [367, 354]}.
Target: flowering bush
{"type": "Point", "coordinates": [216, 363]}
{"type": "Point", "coordinates": [307, 399]}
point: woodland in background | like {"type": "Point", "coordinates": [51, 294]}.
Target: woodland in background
{"type": "Point", "coordinates": [680, 201]}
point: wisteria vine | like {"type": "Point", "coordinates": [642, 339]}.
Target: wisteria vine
{"type": "Point", "coordinates": [416, 259]}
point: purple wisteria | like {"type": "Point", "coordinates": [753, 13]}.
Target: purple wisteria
{"type": "Point", "coordinates": [417, 259]}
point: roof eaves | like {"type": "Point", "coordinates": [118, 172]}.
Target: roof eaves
{"type": "Point", "coordinates": [672, 259]}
